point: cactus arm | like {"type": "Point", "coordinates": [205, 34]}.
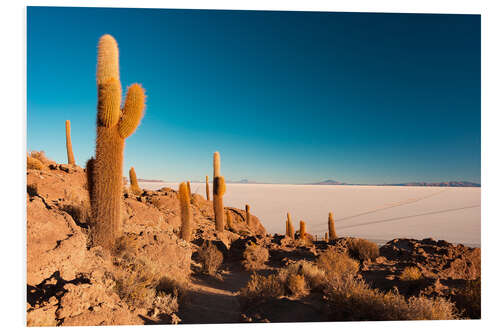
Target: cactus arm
{"type": "Point", "coordinates": [133, 111]}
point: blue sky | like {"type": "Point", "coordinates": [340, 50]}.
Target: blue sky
{"type": "Point", "coordinates": [285, 97]}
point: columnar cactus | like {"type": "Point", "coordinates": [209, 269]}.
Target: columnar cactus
{"type": "Point", "coordinates": [218, 192]}
{"type": "Point", "coordinates": [69, 147]}
{"type": "Point", "coordinates": [248, 216]}
{"type": "Point", "coordinates": [189, 188]}
{"type": "Point", "coordinates": [114, 125]}
{"type": "Point", "coordinates": [186, 215]}
{"type": "Point", "coordinates": [302, 230]}
{"type": "Point", "coordinates": [134, 185]}
{"type": "Point", "coordinates": [331, 227]}
{"type": "Point", "coordinates": [207, 188]}
{"type": "Point", "coordinates": [90, 170]}
{"type": "Point", "coordinates": [326, 237]}
{"type": "Point", "coordinates": [229, 220]}
{"type": "Point", "coordinates": [289, 227]}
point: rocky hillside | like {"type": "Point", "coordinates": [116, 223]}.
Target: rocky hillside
{"type": "Point", "coordinates": [239, 275]}
{"type": "Point", "coordinates": [71, 284]}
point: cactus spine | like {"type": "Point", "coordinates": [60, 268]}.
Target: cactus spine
{"type": "Point", "coordinates": [289, 227]}
{"type": "Point", "coordinates": [134, 185]}
{"type": "Point", "coordinates": [69, 146]}
{"type": "Point", "coordinates": [207, 188]}
{"type": "Point", "coordinates": [218, 193]}
{"type": "Point", "coordinates": [331, 227]}
{"type": "Point", "coordinates": [186, 216]}
{"type": "Point", "coordinates": [302, 230]}
{"type": "Point", "coordinates": [114, 125]}
{"type": "Point", "coordinates": [248, 216]}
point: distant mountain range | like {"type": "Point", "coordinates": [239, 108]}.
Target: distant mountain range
{"type": "Point", "coordinates": [438, 184]}
{"type": "Point", "coordinates": [329, 182]}
{"type": "Point", "coordinates": [335, 182]}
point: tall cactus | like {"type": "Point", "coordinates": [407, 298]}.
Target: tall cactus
{"type": "Point", "coordinates": [289, 226]}
{"type": "Point", "coordinates": [69, 146]}
{"type": "Point", "coordinates": [219, 188]}
{"type": "Point", "coordinates": [114, 125]}
{"type": "Point", "coordinates": [248, 216]}
{"type": "Point", "coordinates": [207, 188]}
{"type": "Point", "coordinates": [186, 215]}
{"type": "Point", "coordinates": [134, 185]}
{"type": "Point", "coordinates": [229, 220]}
{"type": "Point", "coordinates": [189, 188]}
{"type": "Point", "coordinates": [331, 227]}
{"type": "Point", "coordinates": [302, 230]}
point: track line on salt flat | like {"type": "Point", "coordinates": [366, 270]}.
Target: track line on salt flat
{"type": "Point", "coordinates": [406, 217]}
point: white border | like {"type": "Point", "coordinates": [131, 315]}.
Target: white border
{"type": "Point", "coordinates": [13, 136]}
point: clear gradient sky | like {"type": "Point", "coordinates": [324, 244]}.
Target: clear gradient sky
{"type": "Point", "coordinates": [285, 97]}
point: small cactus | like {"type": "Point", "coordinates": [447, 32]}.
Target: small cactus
{"type": "Point", "coordinates": [289, 227]}
{"type": "Point", "coordinates": [331, 227]}
{"type": "Point", "coordinates": [134, 185]}
{"type": "Point", "coordinates": [114, 125]}
{"type": "Point", "coordinates": [326, 237]}
{"type": "Point", "coordinates": [69, 147]}
{"type": "Point", "coordinates": [186, 216]}
{"type": "Point", "coordinates": [248, 216]}
{"type": "Point", "coordinates": [219, 188]}
{"type": "Point", "coordinates": [207, 188]}
{"type": "Point", "coordinates": [302, 230]}
{"type": "Point", "coordinates": [229, 220]}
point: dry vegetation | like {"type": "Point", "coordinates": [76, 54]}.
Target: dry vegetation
{"type": "Point", "coordinates": [411, 274]}
{"type": "Point", "coordinates": [255, 257]}
{"type": "Point", "coordinates": [362, 249]}
{"type": "Point", "coordinates": [347, 295]}
{"type": "Point", "coordinates": [211, 258]}
{"type": "Point", "coordinates": [468, 299]}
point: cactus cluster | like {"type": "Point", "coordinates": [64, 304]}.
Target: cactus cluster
{"type": "Point", "coordinates": [114, 125]}
{"type": "Point", "coordinates": [69, 146]}
{"type": "Point", "coordinates": [219, 188]}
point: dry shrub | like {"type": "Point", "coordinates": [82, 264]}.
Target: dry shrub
{"type": "Point", "coordinates": [211, 258]}
{"type": "Point", "coordinates": [263, 287]}
{"type": "Point", "coordinates": [135, 277]}
{"type": "Point", "coordinates": [411, 274]}
{"type": "Point", "coordinates": [135, 280]}
{"type": "Point", "coordinates": [164, 306]}
{"type": "Point", "coordinates": [337, 265]}
{"type": "Point", "coordinates": [353, 300]}
{"type": "Point", "coordinates": [81, 214]}
{"type": "Point", "coordinates": [362, 249]}
{"type": "Point", "coordinates": [296, 284]}
{"type": "Point", "coordinates": [468, 299]}
{"type": "Point", "coordinates": [40, 155]}
{"type": "Point", "coordinates": [32, 190]}
{"type": "Point", "coordinates": [313, 275]}
{"type": "Point", "coordinates": [34, 164]}
{"type": "Point", "coordinates": [255, 257]}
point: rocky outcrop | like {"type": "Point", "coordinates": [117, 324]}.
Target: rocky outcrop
{"type": "Point", "coordinates": [71, 284]}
